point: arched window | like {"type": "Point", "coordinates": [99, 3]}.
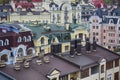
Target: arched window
{"type": "Point", "coordinates": [4, 58]}
{"type": "Point", "coordinates": [24, 38]}
{"type": "Point", "coordinates": [6, 42]}
{"type": "Point", "coordinates": [111, 21]}
{"type": "Point", "coordinates": [1, 42]}
{"type": "Point", "coordinates": [19, 39]}
{"type": "Point", "coordinates": [29, 38]}
{"type": "Point", "coordinates": [42, 40]}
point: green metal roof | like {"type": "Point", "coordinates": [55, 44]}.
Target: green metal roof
{"type": "Point", "coordinates": [40, 30]}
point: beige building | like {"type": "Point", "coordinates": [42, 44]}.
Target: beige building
{"type": "Point", "coordinates": [26, 17]}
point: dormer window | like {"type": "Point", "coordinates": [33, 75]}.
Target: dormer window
{"type": "Point", "coordinates": [19, 39]}
{"type": "Point", "coordinates": [1, 42]}
{"type": "Point", "coordinates": [24, 38]}
{"type": "Point", "coordinates": [111, 21]}
{"type": "Point", "coordinates": [42, 40]}
{"type": "Point", "coordinates": [6, 42]}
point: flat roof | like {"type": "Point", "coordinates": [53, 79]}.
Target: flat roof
{"type": "Point", "coordinates": [39, 72]}
{"type": "Point", "coordinates": [86, 60]}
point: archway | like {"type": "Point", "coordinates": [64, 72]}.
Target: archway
{"type": "Point", "coordinates": [4, 58]}
{"type": "Point", "coordinates": [20, 52]}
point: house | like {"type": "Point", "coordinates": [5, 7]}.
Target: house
{"type": "Point", "coordinates": [104, 24]}
{"type": "Point", "coordinates": [15, 41]}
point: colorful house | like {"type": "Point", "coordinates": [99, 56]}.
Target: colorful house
{"type": "Point", "coordinates": [15, 42]}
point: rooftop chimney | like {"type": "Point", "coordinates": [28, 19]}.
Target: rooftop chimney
{"type": "Point", "coordinates": [72, 48]}
{"type": "Point", "coordinates": [78, 49]}
{"type": "Point", "coordinates": [94, 44]}
{"type": "Point", "coordinates": [88, 46]}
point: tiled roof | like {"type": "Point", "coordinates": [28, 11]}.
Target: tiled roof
{"type": "Point", "coordinates": [25, 5]}
{"type": "Point", "coordinates": [36, 0]}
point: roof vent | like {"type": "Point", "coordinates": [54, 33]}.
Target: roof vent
{"type": "Point", "coordinates": [46, 59]}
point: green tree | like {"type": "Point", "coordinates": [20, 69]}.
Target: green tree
{"type": "Point", "coordinates": [4, 2]}
{"type": "Point", "coordinates": [108, 1]}
{"type": "Point", "coordinates": [29, 0]}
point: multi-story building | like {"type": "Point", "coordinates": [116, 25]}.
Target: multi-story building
{"type": "Point", "coordinates": [61, 12]}
{"type": "Point", "coordinates": [105, 26]}
{"type": "Point", "coordinates": [46, 36]}
{"type": "Point", "coordinates": [5, 10]}
{"type": "Point", "coordinates": [15, 41]}
{"type": "Point", "coordinates": [89, 62]}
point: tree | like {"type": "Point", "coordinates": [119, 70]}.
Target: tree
{"type": "Point", "coordinates": [4, 2]}
{"type": "Point", "coordinates": [108, 1]}
{"type": "Point", "coordinates": [29, 0]}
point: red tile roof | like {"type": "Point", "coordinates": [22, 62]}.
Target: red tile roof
{"type": "Point", "coordinates": [36, 0]}
{"type": "Point", "coordinates": [25, 5]}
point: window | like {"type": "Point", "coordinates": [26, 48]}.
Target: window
{"type": "Point", "coordinates": [104, 37]}
{"type": "Point", "coordinates": [94, 69]}
{"type": "Point", "coordinates": [96, 33]}
{"type": "Point", "coordinates": [118, 28]}
{"type": "Point", "coordinates": [42, 40]}
{"type": "Point", "coordinates": [54, 79]}
{"type": "Point", "coordinates": [116, 76]}
{"type": "Point", "coordinates": [104, 43]}
{"type": "Point", "coordinates": [109, 47]}
{"type": "Point", "coordinates": [64, 77]}
{"type": "Point", "coordinates": [116, 62]}
{"type": "Point", "coordinates": [24, 38]}
{"type": "Point", "coordinates": [111, 21]}
{"type": "Point", "coordinates": [29, 38]}
{"type": "Point", "coordinates": [97, 40]}
{"type": "Point", "coordinates": [97, 27]}
{"type": "Point", "coordinates": [66, 48]}
{"type": "Point", "coordinates": [1, 43]}
{"type": "Point", "coordinates": [93, 33]}
{"type": "Point", "coordinates": [104, 31]}
{"type": "Point", "coordinates": [19, 39]}
{"type": "Point", "coordinates": [6, 42]}
{"type": "Point", "coordinates": [102, 68]}
{"type": "Point", "coordinates": [93, 27]}
{"type": "Point", "coordinates": [102, 78]}
{"type": "Point", "coordinates": [85, 73]}
{"type": "Point", "coordinates": [109, 65]}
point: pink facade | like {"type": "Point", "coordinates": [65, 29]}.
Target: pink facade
{"type": "Point", "coordinates": [106, 33]}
